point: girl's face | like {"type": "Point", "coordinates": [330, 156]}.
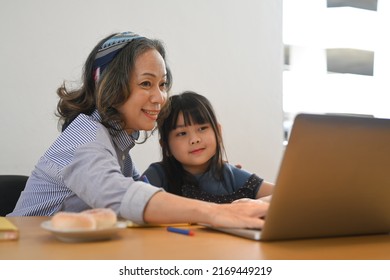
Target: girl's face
{"type": "Point", "coordinates": [148, 87]}
{"type": "Point", "coordinates": [193, 146]}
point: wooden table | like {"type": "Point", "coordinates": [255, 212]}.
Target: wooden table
{"type": "Point", "coordinates": [159, 244]}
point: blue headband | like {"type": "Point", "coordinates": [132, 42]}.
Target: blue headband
{"type": "Point", "coordinates": [109, 49]}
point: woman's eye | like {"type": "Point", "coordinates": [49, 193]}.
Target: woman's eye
{"type": "Point", "coordinates": [164, 85]}
{"type": "Point", "coordinates": [146, 84]}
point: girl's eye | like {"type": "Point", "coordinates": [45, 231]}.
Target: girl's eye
{"type": "Point", "coordinates": [181, 133]}
{"type": "Point", "coordinates": [203, 127]}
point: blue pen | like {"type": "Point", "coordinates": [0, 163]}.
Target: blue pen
{"type": "Point", "coordinates": [144, 179]}
{"type": "Point", "coordinates": [181, 231]}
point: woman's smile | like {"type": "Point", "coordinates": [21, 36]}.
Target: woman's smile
{"type": "Point", "coordinates": [151, 114]}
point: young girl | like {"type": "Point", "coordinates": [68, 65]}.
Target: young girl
{"type": "Point", "coordinates": [193, 156]}
{"type": "Point", "coordinates": [125, 85]}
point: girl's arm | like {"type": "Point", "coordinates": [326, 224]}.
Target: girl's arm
{"type": "Point", "coordinates": [265, 190]}
{"type": "Point", "coordinates": [263, 195]}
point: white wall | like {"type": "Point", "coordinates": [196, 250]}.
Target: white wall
{"type": "Point", "coordinates": [230, 51]}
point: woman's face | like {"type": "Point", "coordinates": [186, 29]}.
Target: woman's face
{"type": "Point", "coordinates": [148, 92]}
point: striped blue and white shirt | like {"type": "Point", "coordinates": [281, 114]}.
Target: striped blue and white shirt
{"type": "Point", "coordinates": [86, 167]}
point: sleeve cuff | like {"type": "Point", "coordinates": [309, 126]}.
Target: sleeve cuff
{"type": "Point", "coordinates": [135, 200]}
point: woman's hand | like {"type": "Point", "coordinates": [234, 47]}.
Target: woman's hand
{"type": "Point", "coordinates": [168, 208]}
{"type": "Point", "coordinates": [266, 199]}
{"type": "Point", "coordinates": [242, 213]}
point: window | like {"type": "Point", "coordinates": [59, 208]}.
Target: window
{"type": "Point", "coordinates": [336, 57]}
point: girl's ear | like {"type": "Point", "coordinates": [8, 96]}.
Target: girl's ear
{"type": "Point", "coordinates": [219, 127]}
{"type": "Point", "coordinates": [161, 143]}
{"type": "Point", "coordinates": [162, 147]}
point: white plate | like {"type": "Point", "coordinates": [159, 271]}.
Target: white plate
{"type": "Point", "coordinates": [84, 235]}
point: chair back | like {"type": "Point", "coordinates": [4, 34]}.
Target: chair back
{"type": "Point", "coordinates": [10, 188]}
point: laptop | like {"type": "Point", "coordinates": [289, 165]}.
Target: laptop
{"type": "Point", "coordinates": [334, 180]}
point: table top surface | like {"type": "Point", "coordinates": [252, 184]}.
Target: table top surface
{"type": "Point", "coordinates": [153, 243]}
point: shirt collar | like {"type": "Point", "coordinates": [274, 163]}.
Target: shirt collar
{"type": "Point", "coordinates": [123, 140]}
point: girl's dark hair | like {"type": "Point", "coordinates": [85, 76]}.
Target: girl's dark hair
{"type": "Point", "coordinates": [111, 90]}
{"type": "Point", "coordinates": [196, 109]}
